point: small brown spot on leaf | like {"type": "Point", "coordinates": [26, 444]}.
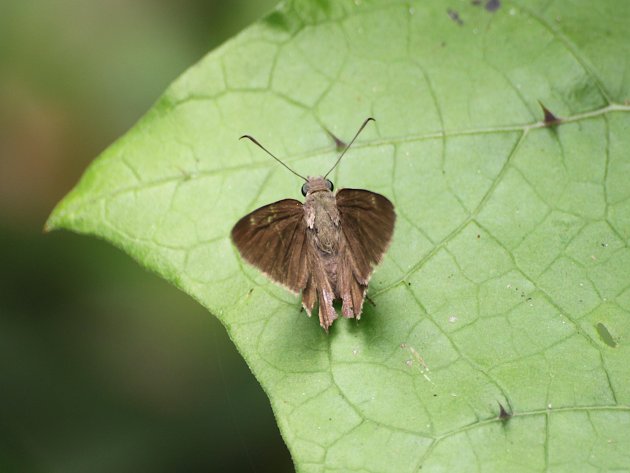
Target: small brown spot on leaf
{"type": "Point", "coordinates": [605, 335]}
{"type": "Point", "coordinates": [493, 5]}
{"type": "Point", "coordinates": [454, 15]}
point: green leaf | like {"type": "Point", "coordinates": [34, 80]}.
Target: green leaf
{"type": "Point", "coordinates": [508, 280]}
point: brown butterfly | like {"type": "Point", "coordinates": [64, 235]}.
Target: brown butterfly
{"type": "Point", "coordinates": [327, 247]}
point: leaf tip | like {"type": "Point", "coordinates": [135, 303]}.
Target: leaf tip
{"type": "Point", "coordinates": [48, 227]}
{"type": "Point", "coordinates": [52, 222]}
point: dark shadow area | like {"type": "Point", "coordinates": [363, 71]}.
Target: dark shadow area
{"type": "Point", "coordinates": [105, 367]}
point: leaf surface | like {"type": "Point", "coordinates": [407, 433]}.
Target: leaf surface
{"type": "Point", "coordinates": [508, 279]}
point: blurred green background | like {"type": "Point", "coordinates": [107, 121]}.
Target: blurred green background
{"type": "Point", "coordinates": [103, 366]}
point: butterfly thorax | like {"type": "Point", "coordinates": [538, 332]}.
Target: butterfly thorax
{"type": "Point", "coordinates": [322, 216]}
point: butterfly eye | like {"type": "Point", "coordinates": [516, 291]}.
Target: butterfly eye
{"type": "Point", "coordinates": [304, 189]}
{"type": "Point", "coordinates": [330, 185]}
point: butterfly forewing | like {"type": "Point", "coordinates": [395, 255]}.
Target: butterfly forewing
{"type": "Point", "coordinates": [273, 238]}
{"type": "Point", "coordinates": [367, 223]}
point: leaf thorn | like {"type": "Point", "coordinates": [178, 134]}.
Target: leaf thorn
{"type": "Point", "coordinates": [504, 415]}
{"type": "Point", "coordinates": [550, 119]}
{"type": "Point", "coordinates": [339, 143]}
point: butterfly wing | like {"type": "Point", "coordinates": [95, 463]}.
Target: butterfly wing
{"type": "Point", "coordinates": [367, 224]}
{"type": "Point", "coordinates": [273, 238]}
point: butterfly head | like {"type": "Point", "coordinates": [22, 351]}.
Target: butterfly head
{"type": "Point", "coordinates": [317, 184]}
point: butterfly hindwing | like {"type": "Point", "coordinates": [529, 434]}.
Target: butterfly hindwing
{"type": "Point", "coordinates": [273, 238]}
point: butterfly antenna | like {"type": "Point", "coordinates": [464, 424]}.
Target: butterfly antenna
{"type": "Point", "coordinates": [367, 120]}
{"type": "Point", "coordinates": [252, 139]}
